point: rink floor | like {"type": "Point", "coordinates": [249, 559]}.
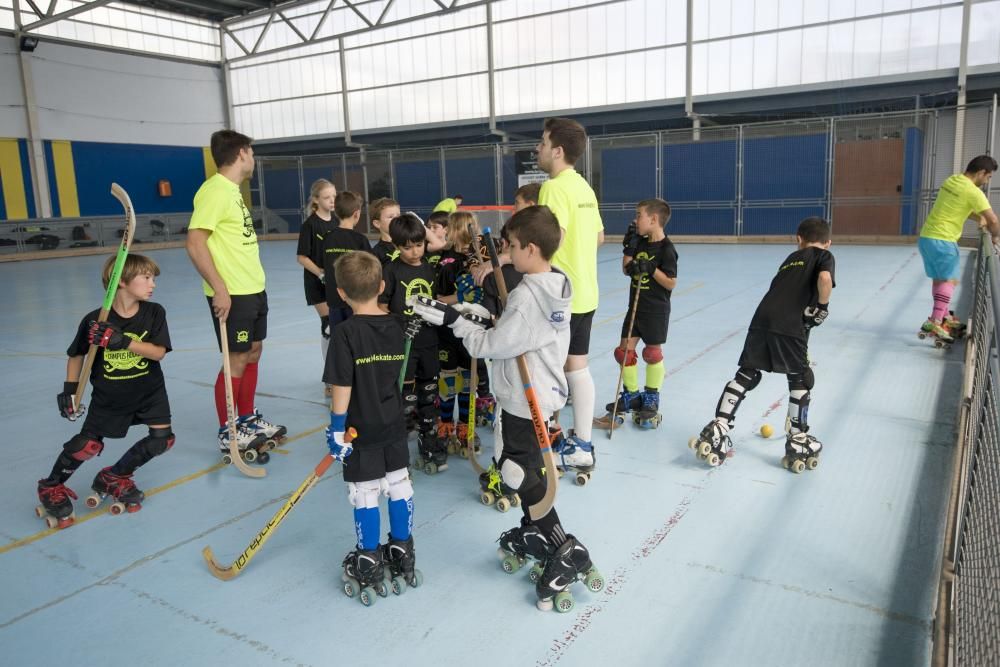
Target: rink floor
{"type": "Point", "coordinates": [745, 564]}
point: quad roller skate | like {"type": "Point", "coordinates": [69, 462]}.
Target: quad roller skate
{"type": "Point", "coordinates": [954, 326]}
{"type": "Point", "coordinates": [127, 497]}
{"type": "Point", "coordinates": [801, 453]}
{"type": "Point", "coordinates": [250, 444]}
{"type": "Point", "coordinates": [495, 492]}
{"type": "Point", "coordinates": [713, 445]}
{"type": "Point", "coordinates": [575, 454]}
{"type": "Point", "coordinates": [432, 453]}
{"type": "Point", "coordinates": [364, 576]}
{"type": "Point", "coordinates": [446, 433]}
{"type": "Point", "coordinates": [568, 564]}
{"type": "Point", "coordinates": [56, 507]}
{"type": "Point", "coordinates": [628, 401]}
{"type": "Point", "coordinates": [648, 415]}
{"type": "Point", "coordinates": [486, 407]}
{"type": "Point", "coordinates": [938, 332]}
{"type": "Point", "coordinates": [522, 544]}
{"type": "Point", "coordinates": [400, 559]}
{"type": "Point", "coordinates": [275, 432]}
{"type": "Point", "coordinates": [462, 440]}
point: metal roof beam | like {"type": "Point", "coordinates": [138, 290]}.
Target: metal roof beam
{"type": "Point", "coordinates": [79, 9]}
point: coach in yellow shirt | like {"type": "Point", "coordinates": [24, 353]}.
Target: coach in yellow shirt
{"type": "Point", "coordinates": [222, 245]}
{"type": "Point", "coordinates": [574, 203]}
{"type": "Point", "coordinates": [959, 199]}
{"type": "Point", "coordinates": [449, 205]}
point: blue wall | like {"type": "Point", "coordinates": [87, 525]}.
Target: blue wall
{"type": "Point", "coordinates": [475, 179]}
{"type": "Point", "coordinates": [628, 175]}
{"type": "Point", "coordinates": [418, 184]}
{"type": "Point", "coordinates": [29, 188]}
{"type": "Point", "coordinates": [913, 171]}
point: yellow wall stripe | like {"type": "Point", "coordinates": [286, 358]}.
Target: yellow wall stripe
{"type": "Point", "coordinates": [62, 156]}
{"type": "Point", "coordinates": [14, 197]}
{"type": "Point", "coordinates": [210, 168]}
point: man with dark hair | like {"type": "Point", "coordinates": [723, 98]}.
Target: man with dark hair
{"type": "Point", "coordinates": [574, 204]}
{"type": "Point", "coordinates": [223, 247]}
{"type": "Point", "coordinates": [959, 199]}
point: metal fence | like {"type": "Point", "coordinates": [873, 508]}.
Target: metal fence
{"type": "Point", "coordinates": [41, 235]}
{"type": "Point", "coordinates": [968, 612]}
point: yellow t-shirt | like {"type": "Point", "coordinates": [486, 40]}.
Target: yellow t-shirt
{"type": "Point", "coordinates": [219, 208]}
{"type": "Point", "coordinates": [448, 205]}
{"type": "Point", "coordinates": [956, 201]}
{"type": "Point", "coordinates": [575, 206]}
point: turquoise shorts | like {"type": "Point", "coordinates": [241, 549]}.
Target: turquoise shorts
{"type": "Point", "coordinates": [940, 258]}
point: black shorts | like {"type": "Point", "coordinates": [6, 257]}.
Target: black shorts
{"type": "Point", "coordinates": [247, 322]}
{"type": "Point", "coordinates": [650, 327]}
{"type": "Point", "coordinates": [315, 290]}
{"type": "Point", "coordinates": [106, 424]}
{"type": "Point", "coordinates": [372, 462]}
{"type": "Point", "coordinates": [520, 444]}
{"type": "Point", "coordinates": [774, 353]}
{"type": "Point", "coordinates": [451, 353]}
{"type": "Point", "coordinates": [579, 332]}
{"type": "Point", "coordinates": [423, 364]}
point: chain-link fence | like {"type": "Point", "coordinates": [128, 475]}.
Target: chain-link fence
{"type": "Point", "coordinates": [968, 613]}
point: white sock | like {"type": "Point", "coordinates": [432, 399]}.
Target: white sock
{"type": "Point", "coordinates": [581, 385]}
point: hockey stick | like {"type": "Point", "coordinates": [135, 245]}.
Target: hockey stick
{"type": "Point", "coordinates": [234, 451]}
{"type": "Point", "coordinates": [621, 372]}
{"type": "Point", "coordinates": [109, 295]}
{"type": "Point", "coordinates": [230, 572]}
{"type": "Point", "coordinates": [543, 506]}
{"type": "Point", "coordinates": [410, 332]}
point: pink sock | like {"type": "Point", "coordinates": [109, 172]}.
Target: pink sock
{"type": "Point", "coordinates": [942, 298]}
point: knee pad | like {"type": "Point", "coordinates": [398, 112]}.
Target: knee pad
{"type": "Point", "coordinates": [804, 380]}
{"type": "Point", "coordinates": [364, 495]}
{"type": "Point", "coordinates": [627, 359]}
{"type": "Point", "coordinates": [517, 477]}
{"type": "Point", "coordinates": [83, 446]}
{"type": "Point", "coordinates": [748, 378]}
{"type": "Point", "coordinates": [652, 354]}
{"type": "Point", "coordinates": [400, 487]}
{"type": "Point", "coordinates": [157, 442]}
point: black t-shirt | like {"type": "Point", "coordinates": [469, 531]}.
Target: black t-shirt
{"type": "Point", "coordinates": [366, 354]}
{"type": "Point", "coordinates": [338, 242]}
{"type": "Point", "coordinates": [401, 281]}
{"type": "Point", "coordinates": [386, 251]}
{"type": "Point", "coordinates": [491, 295]}
{"type": "Point", "coordinates": [653, 297]}
{"type": "Point", "coordinates": [791, 291]}
{"type": "Point", "coordinates": [123, 380]}
{"type": "Point", "coordinates": [433, 257]}
{"type": "Point", "coordinates": [311, 236]}
{"type": "Point", "coordinates": [451, 265]}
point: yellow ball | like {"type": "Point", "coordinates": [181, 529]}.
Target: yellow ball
{"type": "Point", "coordinates": [766, 430]}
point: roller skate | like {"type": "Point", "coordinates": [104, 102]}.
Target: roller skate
{"type": "Point", "coordinates": [486, 407]}
{"type": "Point", "coordinates": [56, 508]}
{"type": "Point", "coordinates": [127, 497]}
{"type": "Point", "coordinates": [462, 439]}
{"type": "Point", "coordinates": [568, 564]}
{"type": "Point", "coordinates": [954, 326]}
{"type": "Point", "coordinates": [648, 415]}
{"type": "Point", "coordinates": [433, 453]}
{"type": "Point", "coordinates": [628, 401]}
{"type": "Point", "coordinates": [576, 454]}
{"type": "Point", "coordinates": [713, 445]}
{"type": "Point", "coordinates": [400, 559]}
{"type": "Point", "coordinates": [247, 442]}
{"type": "Point", "coordinates": [447, 435]}
{"type": "Point", "coordinates": [931, 329]}
{"type": "Point", "coordinates": [495, 491]}
{"type": "Point", "coordinates": [801, 453]}
{"type": "Point", "coordinates": [275, 433]}
{"type": "Point", "coordinates": [364, 576]}
{"type": "Point", "coordinates": [522, 544]}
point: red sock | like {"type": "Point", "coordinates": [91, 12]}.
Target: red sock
{"type": "Point", "coordinates": [247, 391]}
{"type": "Point", "coordinates": [220, 396]}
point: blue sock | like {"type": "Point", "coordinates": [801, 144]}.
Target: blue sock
{"type": "Point", "coordinates": [366, 523]}
{"type": "Point", "coordinates": [401, 518]}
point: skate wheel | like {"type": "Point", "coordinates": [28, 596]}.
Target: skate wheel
{"type": "Point", "coordinates": [535, 573]}
{"type": "Point", "coordinates": [227, 459]}
{"type": "Point", "coordinates": [250, 455]}
{"type": "Point", "coordinates": [463, 452]}
{"type": "Point", "coordinates": [51, 522]}
{"type": "Point", "coordinates": [117, 508]}
{"type": "Point", "coordinates": [511, 563]}
{"type": "Point", "coordinates": [271, 443]}
{"type": "Point", "coordinates": [582, 478]}
{"type": "Point", "coordinates": [515, 500]}
{"type": "Point", "coordinates": [430, 468]}
{"type": "Point", "coordinates": [263, 458]}
{"type": "Point", "coordinates": [351, 586]}
{"type": "Point", "coordinates": [486, 498]}
{"type": "Point", "coordinates": [812, 463]}
{"type": "Point", "coordinates": [693, 444]}
{"type": "Point", "coordinates": [67, 522]}
{"type": "Point", "coordinates": [92, 501]}
{"type": "Point", "coordinates": [594, 581]}
{"type": "Point", "coordinates": [705, 448]}
{"type": "Point", "coordinates": [564, 602]}
{"type": "Point", "coordinates": [544, 605]}
{"type": "Point", "coordinates": [503, 505]}
{"type": "Point", "coordinates": [921, 335]}
{"type": "Point", "coordinates": [636, 420]}
{"type": "Point", "coordinates": [40, 511]}
{"type": "Point", "coordinates": [398, 585]}
{"type": "Point", "coordinates": [785, 461]}
{"type": "Point", "coordinates": [134, 507]}
{"type": "Point", "coordinates": [713, 459]}
{"type": "Point", "coordinates": [367, 596]}
{"type": "Point", "coordinates": [450, 448]}
{"type": "Point", "coordinates": [797, 466]}
{"type": "Point", "coordinates": [417, 580]}
{"type": "Point", "coordinates": [381, 589]}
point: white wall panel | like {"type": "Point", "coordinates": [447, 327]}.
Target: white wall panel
{"type": "Point", "coordinates": [13, 123]}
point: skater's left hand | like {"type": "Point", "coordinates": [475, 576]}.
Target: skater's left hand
{"type": "Point", "coordinates": [433, 311]}
{"type": "Point", "coordinates": [813, 316]}
{"type": "Point", "coordinates": [336, 438]}
{"type": "Point", "coordinates": [638, 268]}
{"type": "Point", "coordinates": [107, 336]}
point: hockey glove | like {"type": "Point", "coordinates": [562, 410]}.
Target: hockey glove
{"type": "Point", "coordinates": [107, 336]}
{"type": "Point", "coordinates": [438, 313]}
{"type": "Point", "coordinates": [813, 316]}
{"type": "Point", "coordinates": [336, 440]}
{"type": "Point", "coordinates": [631, 240]}
{"type": "Point", "coordinates": [65, 401]}
{"type": "Point", "coordinates": [638, 268]}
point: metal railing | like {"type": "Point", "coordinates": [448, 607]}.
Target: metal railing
{"type": "Point", "coordinates": [968, 611]}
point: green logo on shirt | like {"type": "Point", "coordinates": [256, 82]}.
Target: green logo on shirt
{"type": "Point", "coordinates": [124, 360]}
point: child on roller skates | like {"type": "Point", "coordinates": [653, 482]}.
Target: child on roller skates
{"type": "Point", "coordinates": [777, 342]}
{"type": "Point", "coordinates": [651, 262]}
{"type": "Point", "coordinates": [128, 388]}
{"type": "Point", "coordinates": [535, 324]}
{"type": "Point", "coordinates": [382, 212]}
{"type": "Point", "coordinates": [363, 366]}
{"type": "Point", "coordinates": [409, 275]}
{"type": "Point", "coordinates": [338, 242]}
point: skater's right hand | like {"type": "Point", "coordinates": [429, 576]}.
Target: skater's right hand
{"type": "Point", "coordinates": [813, 316]}
{"type": "Point", "coordinates": [336, 439]}
{"type": "Point", "coordinates": [638, 268]}
{"type": "Point", "coordinates": [65, 401]}
{"type": "Point", "coordinates": [221, 305]}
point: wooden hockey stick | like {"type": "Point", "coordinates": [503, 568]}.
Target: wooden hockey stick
{"type": "Point", "coordinates": [621, 372]}
{"type": "Point", "coordinates": [109, 295]}
{"type": "Point", "coordinates": [230, 572]}
{"type": "Point", "coordinates": [540, 509]}
{"type": "Point", "coordinates": [234, 450]}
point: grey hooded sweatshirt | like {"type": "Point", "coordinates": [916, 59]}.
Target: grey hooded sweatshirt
{"type": "Point", "coordinates": [534, 323]}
